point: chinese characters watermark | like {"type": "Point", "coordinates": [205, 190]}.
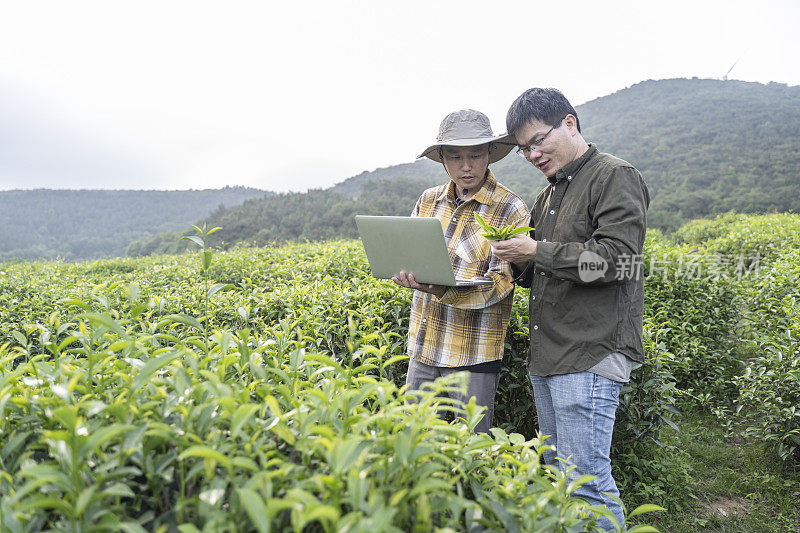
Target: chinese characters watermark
{"type": "Point", "coordinates": [592, 266]}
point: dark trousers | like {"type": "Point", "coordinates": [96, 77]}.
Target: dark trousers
{"type": "Point", "coordinates": [482, 386]}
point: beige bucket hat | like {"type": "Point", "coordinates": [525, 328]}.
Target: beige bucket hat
{"type": "Point", "coordinates": [468, 128]}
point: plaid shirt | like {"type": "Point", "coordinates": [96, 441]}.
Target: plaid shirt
{"type": "Point", "coordinates": [467, 325]}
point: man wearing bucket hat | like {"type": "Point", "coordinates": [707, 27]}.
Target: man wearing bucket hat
{"type": "Point", "coordinates": [463, 328]}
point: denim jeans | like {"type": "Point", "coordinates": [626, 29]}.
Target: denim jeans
{"type": "Point", "coordinates": [577, 411]}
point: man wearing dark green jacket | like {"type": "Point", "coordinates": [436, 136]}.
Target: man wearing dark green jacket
{"type": "Point", "coordinates": [583, 265]}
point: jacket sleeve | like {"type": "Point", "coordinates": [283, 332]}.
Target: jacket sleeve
{"type": "Point", "coordinates": [618, 216]}
{"type": "Point", "coordinates": [483, 296]}
{"type": "Point", "coordinates": [522, 276]}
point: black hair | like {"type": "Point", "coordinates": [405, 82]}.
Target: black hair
{"type": "Point", "coordinates": [544, 105]}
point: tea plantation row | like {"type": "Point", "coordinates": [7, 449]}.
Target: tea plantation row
{"type": "Point", "coordinates": [264, 392]}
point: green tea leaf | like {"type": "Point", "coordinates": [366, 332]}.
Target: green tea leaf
{"type": "Point", "coordinates": [256, 509]}
{"type": "Point", "coordinates": [151, 367]}
{"type": "Point", "coordinates": [195, 239]}
{"type": "Point", "coordinates": [205, 452]}
{"type": "Point", "coordinates": [646, 508]}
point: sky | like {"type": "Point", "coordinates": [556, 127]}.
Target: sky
{"type": "Point", "coordinates": [288, 96]}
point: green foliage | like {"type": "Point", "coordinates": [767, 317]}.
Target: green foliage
{"type": "Point", "coordinates": [119, 413]}
{"type": "Point", "coordinates": [500, 234]}
{"type": "Point", "coordinates": [767, 386]}
{"type": "Point", "coordinates": [694, 301]}
{"type": "Point", "coordinates": [132, 395]}
{"type": "Point", "coordinates": [736, 486]}
{"type": "Point", "coordinates": [686, 138]}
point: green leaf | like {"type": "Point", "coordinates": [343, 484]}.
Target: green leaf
{"type": "Point", "coordinates": [486, 227]}
{"type": "Point", "coordinates": [131, 527]}
{"type": "Point", "coordinates": [195, 239]}
{"type": "Point", "coordinates": [205, 452]}
{"type": "Point", "coordinates": [67, 416]}
{"type": "Point", "coordinates": [84, 499]}
{"type": "Point", "coordinates": [273, 405]}
{"type": "Point", "coordinates": [133, 292]}
{"type": "Point", "coordinates": [103, 435]}
{"type": "Point", "coordinates": [76, 302]}
{"type": "Point", "coordinates": [256, 509]}
{"type": "Point", "coordinates": [575, 483]}
{"type": "Point", "coordinates": [119, 490]}
{"type": "Point", "coordinates": [393, 359]}
{"type": "Point", "coordinates": [184, 319]}
{"type": "Point", "coordinates": [107, 321]}
{"type": "Point", "coordinates": [20, 338]}
{"type": "Point", "coordinates": [151, 367]}
{"type": "Point", "coordinates": [282, 431]}
{"type": "Point", "coordinates": [646, 508]}
{"type": "Point", "coordinates": [215, 288]}
{"type": "Point", "coordinates": [40, 501]}
{"type": "Point", "coordinates": [520, 230]}
{"type": "Point", "coordinates": [241, 416]}
{"type": "Point", "coordinates": [322, 513]}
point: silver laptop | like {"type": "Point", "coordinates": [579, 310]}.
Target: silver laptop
{"type": "Point", "coordinates": [413, 244]}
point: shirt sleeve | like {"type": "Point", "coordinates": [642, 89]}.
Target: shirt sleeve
{"type": "Point", "coordinates": [483, 296]}
{"type": "Point", "coordinates": [500, 272]}
{"type": "Point", "coordinates": [620, 221]}
{"type": "Point", "coordinates": [415, 211]}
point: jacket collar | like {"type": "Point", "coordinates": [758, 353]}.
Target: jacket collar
{"type": "Point", "coordinates": [574, 166]}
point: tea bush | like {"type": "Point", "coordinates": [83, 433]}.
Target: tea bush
{"type": "Point", "coordinates": [744, 236]}
{"type": "Point", "coordinates": [307, 326]}
{"type": "Point", "coordinates": [767, 330]}
{"type": "Point", "coordinates": [696, 307]}
{"type": "Point", "coordinates": [769, 388]}
{"type": "Point", "coordinates": [123, 407]}
{"type": "Point", "coordinates": [114, 430]}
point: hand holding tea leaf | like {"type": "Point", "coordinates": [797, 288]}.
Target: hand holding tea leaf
{"type": "Point", "coordinates": [500, 234]}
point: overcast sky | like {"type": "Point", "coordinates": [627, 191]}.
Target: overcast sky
{"type": "Point", "coordinates": [297, 95]}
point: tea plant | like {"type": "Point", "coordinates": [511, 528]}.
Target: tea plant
{"type": "Point", "coordinates": [129, 398]}
{"type": "Point", "coordinates": [127, 427]}
{"type": "Point", "coordinates": [500, 234]}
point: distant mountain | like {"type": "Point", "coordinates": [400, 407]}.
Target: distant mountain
{"type": "Point", "coordinates": [88, 224]}
{"type": "Point", "coordinates": [703, 146]}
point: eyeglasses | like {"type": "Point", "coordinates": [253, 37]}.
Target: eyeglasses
{"type": "Point", "coordinates": [524, 151]}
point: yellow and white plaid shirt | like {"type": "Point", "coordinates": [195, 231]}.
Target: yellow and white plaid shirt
{"type": "Point", "coordinates": [467, 326]}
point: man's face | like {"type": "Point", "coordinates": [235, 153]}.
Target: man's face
{"type": "Point", "coordinates": [555, 151]}
{"type": "Point", "coordinates": [467, 166]}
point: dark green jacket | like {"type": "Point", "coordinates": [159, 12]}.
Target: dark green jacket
{"type": "Point", "coordinates": [591, 216]}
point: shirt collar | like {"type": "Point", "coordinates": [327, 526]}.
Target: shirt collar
{"type": "Point", "coordinates": [483, 196]}
{"type": "Point", "coordinates": [574, 166]}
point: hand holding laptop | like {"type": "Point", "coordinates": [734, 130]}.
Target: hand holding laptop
{"type": "Point", "coordinates": [408, 281]}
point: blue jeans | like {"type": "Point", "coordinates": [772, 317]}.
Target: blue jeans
{"type": "Point", "coordinates": [577, 411]}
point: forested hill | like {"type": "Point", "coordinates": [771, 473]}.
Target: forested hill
{"type": "Point", "coordinates": [86, 224]}
{"type": "Point", "coordinates": [703, 146]}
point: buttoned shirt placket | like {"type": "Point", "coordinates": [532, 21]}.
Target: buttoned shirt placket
{"type": "Point", "coordinates": [557, 190]}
